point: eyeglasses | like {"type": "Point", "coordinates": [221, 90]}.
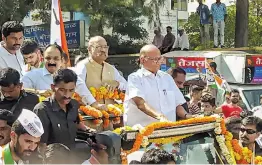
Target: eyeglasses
{"type": "Point", "coordinates": [101, 47]}
{"type": "Point", "coordinates": [155, 60]}
{"type": "Point", "coordinates": [249, 131]}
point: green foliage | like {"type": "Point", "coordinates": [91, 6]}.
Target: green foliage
{"type": "Point", "coordinates": [124, 17]}
{"type": "Point", "coordinates": [255, 27]}
{"type": "Point", "coordinates": [14, 10]}
{"type": "Point", "coordinates": [192, 29]}
{"type": "Point", "coordinates": [255, 23]}
{"type": "Point", "coordinates": [230, 27]}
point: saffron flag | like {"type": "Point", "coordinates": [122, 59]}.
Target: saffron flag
{"type": "Point", "coordinates": [57, 34]}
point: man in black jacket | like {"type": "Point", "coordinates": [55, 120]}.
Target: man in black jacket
{"type": "Point", "coordinates": [14, 98]}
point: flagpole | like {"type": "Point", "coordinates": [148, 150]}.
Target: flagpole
{"type": "Point", "coordinates": [57, 28]}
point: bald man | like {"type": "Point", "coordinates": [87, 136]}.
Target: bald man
{"type": "Point", "coordinates": [96, 72]}
{"type": "Point", "coordinates": [151, 94]}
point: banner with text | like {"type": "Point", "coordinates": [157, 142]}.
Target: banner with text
{"type": "Point", "coordinates": [74, 34]}
{"type": "Point", "coordinates": [253, 70]}
{"type": "Point", "coordinates": [189, 64]}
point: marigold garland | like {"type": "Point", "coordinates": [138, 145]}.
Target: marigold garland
{"type": "Point", "coordinates": [258, 160]}
{"type": "Point", "coordinates": [148, 130]}
{"type": "Point", "coordinates": [90, 111]}
{"type": "Point", "coordinates": [237, 154]}
{"type": "Point", "coordinates": [175, 139]}
{"type": "Point", "coordinates": [103, 93]}
{"type": "Point", "coordinates": [115, 111]}
{"type": "Point", "coordinates": [106, 120]}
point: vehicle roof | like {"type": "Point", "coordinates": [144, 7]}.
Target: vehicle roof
{"type": "Point", "coordinates": [246, 86]}
{"type": "Point", "coordinates": [206, 54]}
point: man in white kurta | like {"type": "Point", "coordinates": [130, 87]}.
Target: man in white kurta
{"type": "Point", "coordinates": [95, 72]}
{"type": "Point", "coordinates": [151, 94]}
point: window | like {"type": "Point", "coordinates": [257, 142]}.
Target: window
{"type": "Point", "coordinates": [181, 5]}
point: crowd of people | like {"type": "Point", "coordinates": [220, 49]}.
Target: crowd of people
{"type": "Point", "coordinates": [216, 16]}
{"type": "Point", "coordinates": [38, 131]}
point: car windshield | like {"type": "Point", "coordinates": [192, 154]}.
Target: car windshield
{"type": "Point", "coordinates": [197, 149]}
{"type": "Point", "coordinates": [253, 97]}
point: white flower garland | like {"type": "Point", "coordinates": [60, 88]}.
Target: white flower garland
{"type": "Point", "coordinates": [222, 142]}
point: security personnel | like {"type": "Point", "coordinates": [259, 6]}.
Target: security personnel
{"type": "Point", "coordinates": [14, 98]}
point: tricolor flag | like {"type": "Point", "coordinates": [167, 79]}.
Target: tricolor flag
{"type": "Point", "coordinates": [220, 83]}
{"type": "Point", "coordinates": [57, 34]}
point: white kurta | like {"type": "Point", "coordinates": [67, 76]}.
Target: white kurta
{"type": "Point", "coordinates": [159, 91]}
{"type": "Point", "coordinates": [15, 61]}
{"type": "Point", "coordinates": [41, 79]}
{"type": "Point", "coordinates": [182, 42]}
{"type": "Point", "coordinates": [80, 69]}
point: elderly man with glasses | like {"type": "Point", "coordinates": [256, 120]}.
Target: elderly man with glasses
{"type": "Point", "coordinates": [96, 72]}
{"type": "Point", "coordinates": [152, 95]}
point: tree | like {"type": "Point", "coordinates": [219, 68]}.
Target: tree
{"type": "Point", "coordinates": [255, 24]}
{"type": "Point", "coordinates": [14, 10]}
{"type": "Point", "coordinates": [241, 36]}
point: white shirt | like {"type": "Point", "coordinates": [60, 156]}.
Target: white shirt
{"type": "Point", "coordinates": [2, 161]}
{"type": "Point", "coordinates": [82, 73]}
{"type": "Point", "coordinates": [158, 40]}
{"type": "Point", "coordinates": [41, 79]}
{"type": "Point", "coordinates": [159, 91]}
{"type": "Point", "coordinates": [257, 111]}
{"type": "Point", "coordinates": [15, 61]}
{"type": "Point", "coordinates": [182, 42]}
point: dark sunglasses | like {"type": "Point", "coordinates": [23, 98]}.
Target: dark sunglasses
{"type": "Point", "coordinates": [249, 131]}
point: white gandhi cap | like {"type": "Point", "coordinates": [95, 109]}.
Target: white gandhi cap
{"type": "Point", "coordinates": [31, 123]}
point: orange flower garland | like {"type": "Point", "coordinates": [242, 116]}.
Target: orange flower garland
{"type": "Point", "coordinates": [241, 155]}
{"type": "Point", "coordinates": [103, 93]}
{"type": "Point", "coordinates": [150, 128]}
{"type": "Point", "coordinates": [258, 160]}
{"type": "Point", "coordinates": [115, 111]}
{"type": "Point", "coordinates": [90, 111]}
{"type": "Point", "coordinates": [106, 120]}
{"type": "Point", "coordinates": [238, 151]}
{"type": "Point", "coordinates": [223, 127]}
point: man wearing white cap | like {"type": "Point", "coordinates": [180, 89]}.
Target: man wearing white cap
{"type": "Point", "coordinates": [25, 137]}
{"type": "Point", "coordinates": [182, 42]}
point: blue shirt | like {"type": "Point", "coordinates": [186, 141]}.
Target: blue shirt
{"type": "Point", "coordinates": [204, 13]}
{"type": "Point", "coordinates": [218, 11]}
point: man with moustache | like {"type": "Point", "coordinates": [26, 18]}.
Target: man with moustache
{"type": "Point", "coordinates": [59, 113]}
{"type": "Point", "coordinates": [42, 78]}
{"type": "Point", "coordinates": [96, 72]}
{"type": "Point", "coordinates": [231, 109]}
{"type": "Point", "coordinates": [25, 136]}
{"type": "Point", "coordinates": [32, 55]}
{"type": "Point", "coordinates": [249, 133]}
{"type": "Point", "coordinates": [152, 95]}
{"type": "Point", "coordinates": [5, 126]}
{"type": "Point", "coordinates": [14, 97]}
{"type": "Point", "coordinates": [10, 55]}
